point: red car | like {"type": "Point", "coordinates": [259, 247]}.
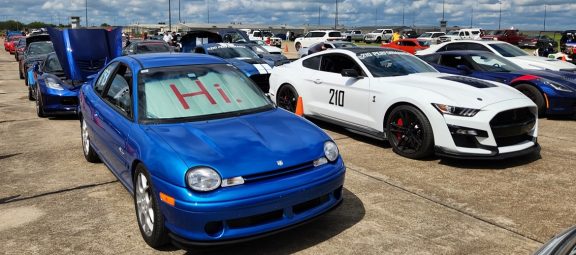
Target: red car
{"type": "Point", "coordinates": [10, 45]}
{"type": "Point", "coordinates": [407, 45]}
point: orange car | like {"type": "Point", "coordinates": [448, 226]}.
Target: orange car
{"type": "Point", "coordinates": [408, 45]}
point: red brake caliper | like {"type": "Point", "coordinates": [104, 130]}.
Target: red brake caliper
{"type": "Point", "coordinates": [400, 123]}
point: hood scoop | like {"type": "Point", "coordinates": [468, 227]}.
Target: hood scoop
{"type": "Point", "coordinates": [469, 81]}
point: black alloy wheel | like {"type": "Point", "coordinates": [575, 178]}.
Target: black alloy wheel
{"type": "Point", "coordinates": [287, 98]}
{"type": "Point", "coordinates": [409, 132]}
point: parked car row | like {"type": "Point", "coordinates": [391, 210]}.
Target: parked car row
{"type": "Point", "coordinates": [206, 142]}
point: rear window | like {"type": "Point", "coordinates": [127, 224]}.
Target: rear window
{"type": "Point", "coordinates": [334, 34]}
{"type": "Point", "coordinates": [316, 34]}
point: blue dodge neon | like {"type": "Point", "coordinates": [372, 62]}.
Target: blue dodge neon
{"type": "Point", "coordinates": [208, 158]}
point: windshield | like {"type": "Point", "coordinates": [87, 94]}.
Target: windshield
{"type": "Point", "coordinates": [508, 50]}
{"type": "Point", "coordinates": [344, 45]}
{"type": "Point", "coordinates": [152, 47]}
{"type": "Point", "coordinates": [53, 65]}
{"type": "Point", "coordinates": [198, 92]}
{"type": "Point", "coordinates": [231, 51]}
{"type": "Point", "coordinates": [40, 48]}
{"type": "Point", "coordinates": [426, 35]}
{"type": "Point", "coordinates": [493, 63]}
{"type": "Point", "coordinates": [392, 63]}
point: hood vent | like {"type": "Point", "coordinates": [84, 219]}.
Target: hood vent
{"type": "Point", "coordinates": [469, 81]}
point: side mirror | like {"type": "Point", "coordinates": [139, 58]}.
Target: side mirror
{"type": "Point", "coordinates": [352, 73]}
{"type": "Point", "coordinates": [464, 68]}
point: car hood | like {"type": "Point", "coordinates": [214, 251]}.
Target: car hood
{"type": "Point", "coordinates": [83, 52]}
{"type": "Point", "coordinates": [250, 66]}
{"type": "Point", "coordinates": [458, 90]}
{"type": "Point", "coordinates": [245, 145]}
{"type": "Point", "coordinates": [535, 62]}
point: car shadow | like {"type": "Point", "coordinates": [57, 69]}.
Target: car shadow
{"type": "Point", "coordinates": [64, 117]}
{"type": "Point", "coordinates": [472, 164]}
{"type": "Point", "coordinates": [561, 117]}
{"type": "Point", "coordinates": [350, 212]}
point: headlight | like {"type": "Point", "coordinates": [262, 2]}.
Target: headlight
{"type": "Point", "coordinates": [203, 179]}
{"type": "Point", "coordinates": [331, 151]}
{"type": "Point", "coordinates": [53, 84]}
{"type": "Point", "coordinates": [457, 111]}
{"type": "Point", "coordinates": [555, 85]}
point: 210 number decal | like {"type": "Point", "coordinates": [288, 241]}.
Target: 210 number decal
{"type": "Point", "coordinates": [336, 97]}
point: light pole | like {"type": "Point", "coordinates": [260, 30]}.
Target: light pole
{"type": "Point", "coordinates": [403, 7]}
{"type": "Point", "coordinates": [443, 3]}
{"type": "Point", "coordinates": [545, 9]}
{"type": "Point", "coordinates": [208, 10]}
{"type": "Point", "coordinates": [86, 5]}
{"type": "Point", "coordinates": [336, 17]}
{"type": "Point", "coordinates": [169, 16]}
{"type": "Point", "coordinates": [500, 17]}
{"type": "Point", "coordinates": [179, 18]}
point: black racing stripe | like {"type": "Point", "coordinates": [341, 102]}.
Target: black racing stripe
{"type": "Point", "coordinates": [469, 81]}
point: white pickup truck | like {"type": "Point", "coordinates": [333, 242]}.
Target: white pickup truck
{"type": "Point", "coordinates": [265, 36]}
{"type": "Point", "coordinates": [379, 35]}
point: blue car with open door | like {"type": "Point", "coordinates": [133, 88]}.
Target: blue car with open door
{"type": "Point", "coordinates": [554, 92]}
{"type": "Point", "coordinates": [78, 53]}
{"type": "Point", "coordinates": [208, 157]}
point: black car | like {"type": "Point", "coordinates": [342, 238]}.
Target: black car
{"type": "Point", "coordinates": [34, 52]}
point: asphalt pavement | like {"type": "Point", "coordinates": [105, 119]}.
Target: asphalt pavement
{"type": "Point", "coordinates": [54, 202]}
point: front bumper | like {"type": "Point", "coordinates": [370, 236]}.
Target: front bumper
{"type": "Point", "coordinates": [229, 221]}
{"type": "Point", "coordinates": [501, 130]}
{"type": "Point", "coordinates": [59, 102]}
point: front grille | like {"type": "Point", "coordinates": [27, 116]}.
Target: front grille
{"type": "Point", "coordinates": [262, 80]}
{"type": "Point", "coordinates": [512, 126]}
{"type": "Point", "coordinates": [279, 172]}
{"type": "Point", "coordinates": [256, 219]}
{"type": "Point", "coordinates": [91, 65]}
{"type": "Point", "coordinates": [69, 101]}
{"type": "Point", "coordinates": [303, 207]}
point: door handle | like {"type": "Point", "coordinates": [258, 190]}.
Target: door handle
{"type": "Point", "coordinates": [318, 81]}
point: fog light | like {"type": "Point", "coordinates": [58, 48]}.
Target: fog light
{"type": "Point", "coordinates": [466, 132]}
{"type": "Point", "coordinates": [214, 228]}
{"type": "Point", "coordinates": [457, 130]}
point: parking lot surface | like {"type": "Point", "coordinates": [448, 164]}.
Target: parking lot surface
{"type": "Point", "coordinates": [54, 202]}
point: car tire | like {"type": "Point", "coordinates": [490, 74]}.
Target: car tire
{"type": "Point", "coordinates": [378, 40]}
{"type": "Point", "coordinates": [148, 215]}
{"type": "Point", "coordinates": [349, 39]}
{"type": "Point", "coordinates": [39, 104]}
{"type": "Point", "coordinates": [287, 97]}
{"type": "Point", "coordinates": [87, 149]}
{"type": "Point", "coordinates": [535, 95]}
{"type": "Point", "coordinates": [297, 46]}
{"type": "Point", "coordinates": [30, 96]}
{"type": "Point", "coordinates": [26, 78]}
{"type": "Point", "coordinates": [409, 132]}
{"type": "Point", "coordinates": [20, 72]}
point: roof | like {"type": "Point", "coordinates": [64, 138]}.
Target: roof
{"type": "Point", "coordinates": [172, 59]}
{"type": "Point", "coordinates": [361, 50]}
{"type": "Point", "coordinates": [464, 52]}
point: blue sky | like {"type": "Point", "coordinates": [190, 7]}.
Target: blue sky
{"type": "Point", "coordinates": [523, 14]}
